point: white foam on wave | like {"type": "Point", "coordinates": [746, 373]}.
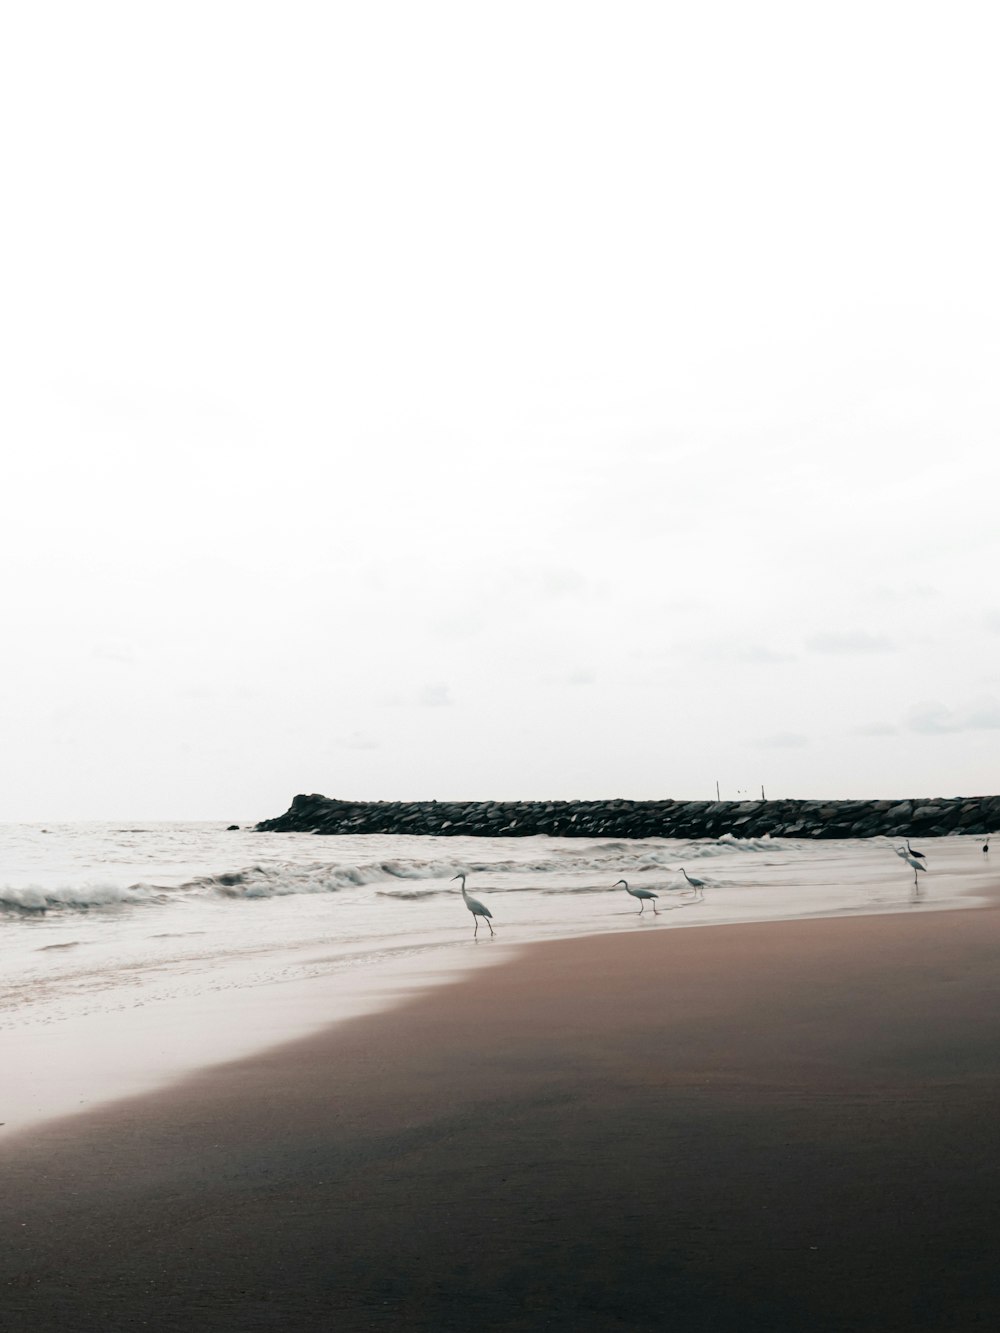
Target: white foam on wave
{"type": "Point", "coordinates": [412, 895]}
{"type": "Point", "coordinates": [24, 899]}
{"type": "Point", "coordinates": [281, 879]}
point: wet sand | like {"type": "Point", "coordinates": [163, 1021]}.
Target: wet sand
{"type": "Point", "coordinates": [772, 1126]}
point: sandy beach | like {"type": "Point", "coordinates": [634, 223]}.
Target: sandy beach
{"type": "Point", "coordinates": [772, 1126]}
{"type": "Point", "coordinates": [499, 812]}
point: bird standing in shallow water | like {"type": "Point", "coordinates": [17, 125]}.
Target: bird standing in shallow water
{"type": "Point", "coordinates": [477, 908]}
{"type": "Point", "coordinates": [986, 847]}
{"type": "Point", "coordinates": [910, 861]}
{"type": "Point", "coordinates": [695, 883]}
{"type": "Point", "coordinates": [641, 894]}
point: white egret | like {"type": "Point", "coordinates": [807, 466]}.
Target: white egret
{"type": "Point", "coordinates": [910, 861]}
{"type": "Point", "coordinates": [641, 894]}
{"type": "Point", "coordinates": [477, 908]}
{"type": "Point", "coordinates": [695, 883]}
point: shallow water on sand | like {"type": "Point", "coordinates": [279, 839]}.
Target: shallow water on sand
{"type": "Point", "coordinates": [130, 955]}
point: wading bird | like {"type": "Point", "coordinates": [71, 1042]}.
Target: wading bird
{"type": "Point", "coordinates": [695, 883]}
{"type": "Point", "coordinates": [919, 855]}
{"type": "Point", "coordinates": [910, 861]}
{"type": "Point", "coordinates": [641, 894]}
{"type": "Point", "coordinates": [477, 908]}
{"type": "Point", "coordinates": [986, 847]}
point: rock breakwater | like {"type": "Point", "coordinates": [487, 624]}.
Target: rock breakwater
{"type": "Point", "coordinates": [934, 817]}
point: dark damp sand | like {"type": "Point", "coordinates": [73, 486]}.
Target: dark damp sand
{"type": "Point", "coordinates": [759, 1127]}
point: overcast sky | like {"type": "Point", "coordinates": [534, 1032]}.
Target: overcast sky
{"type": "Point", "coordinates": [497, 400]}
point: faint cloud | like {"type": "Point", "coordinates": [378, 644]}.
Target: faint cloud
{"type": "Point", "coordinates": [935, 719]}
{"type": "Point", "coordinates": [907, 593]}
{"type": "Point", "coordinates": [550, 584]}
{"type": "Point", "coordinates": [753, 654]}
{"type": "Point", "coordinates": [757, 652]}
{"type": "Point", "coordinates": [877, 729]}
{"type": "Point", "coordinates": [133, 404]}
{"type": "Point", "coordinates": [844, 644]}
{"type": "Point", "coordinates": [114, 650]}
{"type": "Point", "coordinates": [206, 693]}
{"type": "Point", "coordinates": [576, 678]}
{"type": "Point", "coordinates": [459, 625]}
{"type": "Point", "coordinates": [198, 691]}
{"type": "Point", "coordinates": [557, 583]}
{"type": "Point", "coordinates": [435, 696]}
{"type": "Point", "coordinates": [932, 719]}
{"type": "Point", "coordinates": [357, 740]}
{"type": "Point", "coordinates": [782, 740]}
{"type": "Point", "coordinates": [984, 716]}
{"type": "Point", "coordinates": [683, 604]}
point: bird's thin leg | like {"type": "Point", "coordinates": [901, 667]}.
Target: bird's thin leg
{"type": "Point", "coordinates": [490, 924]}
{"type": "Point", "coordinates": [476, 931]}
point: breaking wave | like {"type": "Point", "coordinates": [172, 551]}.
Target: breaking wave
{"type": "Point", "coordinates": [35, 899]}
{"type": "Point", "coordinates": [571, 870]}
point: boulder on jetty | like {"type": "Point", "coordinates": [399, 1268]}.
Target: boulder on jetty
{"type": "Point", "coordinates": [935, 817]}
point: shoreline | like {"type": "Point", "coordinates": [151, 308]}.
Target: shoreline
{"type": "Point", "coordinates": [167, 1021]}
{"type": "Point", "coordinates": [768, 1125]}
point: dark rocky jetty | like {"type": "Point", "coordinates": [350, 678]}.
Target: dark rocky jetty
{"type": "Point", "coordinates": [930, 818]}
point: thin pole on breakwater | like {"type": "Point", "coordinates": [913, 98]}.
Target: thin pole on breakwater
{"type": "Point", "coordinates": [717, 796]}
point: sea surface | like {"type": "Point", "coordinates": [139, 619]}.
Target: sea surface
{"type": "Point", "coordinates": [130, 954]}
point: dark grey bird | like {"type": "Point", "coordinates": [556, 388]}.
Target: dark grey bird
{"type": "Point", "coordinates": [477, 908]}
{"type": "Point", "coordinates": [642, 894]}
{"type": "Point", "coordinates": [919, 855]}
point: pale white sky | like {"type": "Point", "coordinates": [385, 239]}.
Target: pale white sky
{"type": "Point", "coordinates": [480, 400]}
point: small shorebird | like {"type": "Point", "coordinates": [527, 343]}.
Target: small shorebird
{"type": "Point", "coordinates": [919, 855]}
{"type": "Point", "coordinates": [477, 908]}
{"type": "Point", "coordinates": [986, 847]}
{"type": "Point", "coordinates": [641, 894]}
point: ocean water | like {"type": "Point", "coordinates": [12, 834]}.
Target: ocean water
{"type": "Point", "coordinates": [133, 954]}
